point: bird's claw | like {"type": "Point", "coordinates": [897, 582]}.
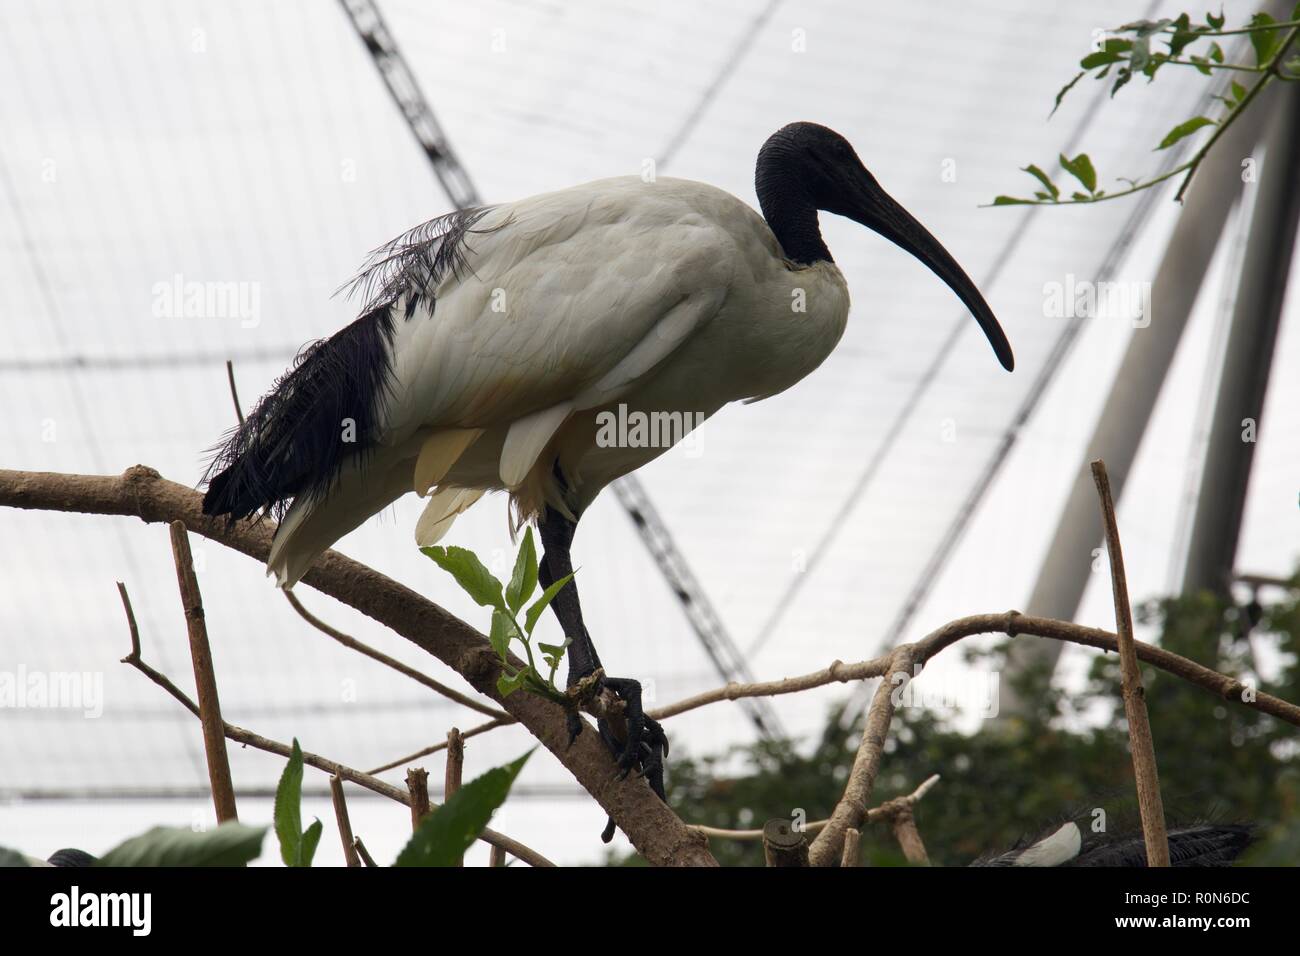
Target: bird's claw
{"type": "Point", "coordinates": [644, 745]}
{"type": "Point", "coordinates": [574, 725]}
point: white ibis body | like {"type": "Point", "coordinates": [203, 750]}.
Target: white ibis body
{"type": "Point", "coordinates": [493, 339]}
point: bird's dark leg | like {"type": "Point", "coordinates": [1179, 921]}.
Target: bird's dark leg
{"type": "Point", "coordinates": [644, 745]}
{"type": "Point", "coordinates": [557, 537]}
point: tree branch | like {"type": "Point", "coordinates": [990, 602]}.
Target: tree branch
{"type": "Point", "coordinates": [659, 834]}
{"type": "Point", "coordinates": [851, 811]}
{"type": "Point", "coordinates": [1150, 806]}
{"type": "Point", "coordinates": [366, 650]}
{"type": "Point", "coordinates": [656, 832]}
{"type": "Point", "coordinates": [350, 856]}
{"type": "Point", "coordinates": [258, 742]}
{"type": "Point", "coordinates": [205, 676]}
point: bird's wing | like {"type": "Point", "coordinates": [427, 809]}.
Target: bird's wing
{"type": "Point", "coordinates": [564, 303]}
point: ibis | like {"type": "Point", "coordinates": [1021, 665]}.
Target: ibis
{"type": "Point", "coordinates": [492, 339]}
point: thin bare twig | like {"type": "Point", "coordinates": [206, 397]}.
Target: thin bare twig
{"type": "Point", "coordinates": [130, 623]}
{"type": "Point", "coordinates": [455, 769]}
{"type": "Point", "coordinates": [875, 814]}
{"type": "Point", "coordinates": [851, 811]}
{"type": "Point", "coordinates": [434, 748]}
{"type": "Point", "coordinates": [417, 784]}
{"type": "Point", "coordinates": [363, 852]}
{"type": "Point", "coordinates": [258, 742]}
{"type": "Point", "coordinates": [361, 648]}
{"type": "Point", "coordinates": [205, 677]}
{"type": "Point", "coordinates": [909, 838]}
{"type": "Point", "coordinates": [656, 832]}
{"type": "Point", "coordinates": [1150, 806]}
{"type": "Point", "coordinates": [234, 392]}
{"type": "Point", "coordinates": [345, 824]}
{"type": "Point", "coordinates": [852, 848]}
{"type": "Point", "coordinates": [1011, 623]}
{"type": "Point", "coordinates": [498, 857]}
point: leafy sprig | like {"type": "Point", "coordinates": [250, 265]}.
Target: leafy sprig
{"type": "Point", "coordinates": [297, 846]}
{"type": "Point", "coordinates": [1130, 51]}
{"type": "Point", "coordinates": [506, 601]}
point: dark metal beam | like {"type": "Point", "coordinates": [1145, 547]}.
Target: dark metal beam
{"type": "Point", "coordinates": [1256, 316]}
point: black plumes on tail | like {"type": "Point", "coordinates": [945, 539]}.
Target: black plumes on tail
{"type": "Point", "coordinates": [295, 440]}
{"type": "Point", "coordinates": [1196, 844]}
{"type": "Point", "coordinates": [411, 266]}
{"type": "Point", "coordinates": [318, 415]}
{"type": "Point", "coordinates": [1208, 844]}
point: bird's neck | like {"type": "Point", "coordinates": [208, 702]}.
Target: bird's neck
{"type": "Point", "coordinates": [789, 211]}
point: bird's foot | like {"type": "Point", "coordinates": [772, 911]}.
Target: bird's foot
{"type": "Point", "coordinates": [641, 745]}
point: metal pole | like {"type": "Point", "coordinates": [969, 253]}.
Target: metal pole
{"type": "Point", "coordinates": [1123, 421]}
{"type": "Point", "coordinates": [1256, 317]}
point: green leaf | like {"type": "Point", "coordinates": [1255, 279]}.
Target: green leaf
{"type": "Point", "coordinates": [1180, 41]}
{"type": "Point", "coordinates": [1184, 129]}
{"type": "Point", "coordinates": [1216, 53]}
{"type": "Point", "coordinates": [1216, 23]}
{"type": "Point", "coordinates": [1061, 95]}
{"type": "Point", "coordinates": [553, 653]}
{"type": "Point", "coordinates": [1081, 169]}
{"type": "Point", "coordinates": [11, 858]}
{"type": "Point", "coordinates": [1238, 92]}
{"type": "Point", "coordinates": [524, 580]}
{"type": "Point", "coordinates": [502, 630]}
{"type": "Point", "coordinates": [310, 840]}
{"type": "Point", "coordinates": [475, 579]}
{"type": "Point", "coordinates": [1100, 58]}
{"type": "Point", "coordinates": [1011, 201]}
{"type": "Point", "coordinates": [1265, 42]}
{"type": "Point", "coordinates": [288, 814]}
{"type": "Point", "coordinates": [231, 844]}
{"type": "Point", "coordinates": [507, 684]}
{"type": "Point", "coordinates": [538, 606]}
{"type": "Point", "coordinates": [445, 834]}
{"type": "Point", "coordinates": [1157, 60]}
{"type": "Point", "coordinates": [1041, 176]}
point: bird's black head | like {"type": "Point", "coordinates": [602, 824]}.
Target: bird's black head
{"type": "Point", "coordinates": [804, 167]}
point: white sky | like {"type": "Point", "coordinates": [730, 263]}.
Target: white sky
{"type": "Point", "coordinates": [254, 142]}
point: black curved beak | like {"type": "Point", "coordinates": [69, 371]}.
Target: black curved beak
{"type": "Point", "coordinates": [878, 211]}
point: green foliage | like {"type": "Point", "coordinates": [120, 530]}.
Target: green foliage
{"type": "Point", "coordinates": [1066, 758]}
{"type": "Point", "coordinates": [1184, 129]}
{"type": "Point", "coordinates": [506, 601]}
{"type": "Point", "coordinates": [296, 847]}
{"type": "Point", "coordinates": [470, 573]}
{"type": "Point", "coordinates": [11, 858]}
{"type": "Point", "coordinates": [445, 834]}
{"type": "Point", "coordinates": [230, 844]}
{"type": "Point", "coordinates": [1143, 48]}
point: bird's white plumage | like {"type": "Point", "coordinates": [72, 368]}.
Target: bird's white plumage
{"type": "Point", "coordinates": [1053, 850]}
{"type": "Point", "coordinates": [670, 296]}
